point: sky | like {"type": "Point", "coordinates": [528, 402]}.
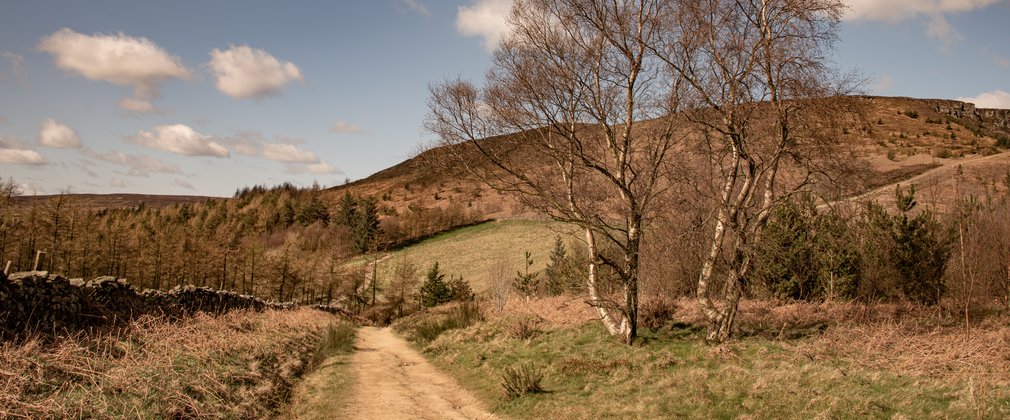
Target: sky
{"type": "Point", "coordinates": [201, 98]}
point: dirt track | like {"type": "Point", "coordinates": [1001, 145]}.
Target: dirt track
{"type": "Point", "coordinates": [393, 381]}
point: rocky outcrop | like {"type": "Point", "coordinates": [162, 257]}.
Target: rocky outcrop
{"type": "Point", "coordinates": [989, 119]}
{"type": "Point", "coordinates": [52, 304]}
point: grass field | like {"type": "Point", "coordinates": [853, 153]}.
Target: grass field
{"type": "Point", "coordinates": [473, 251]}
{"type": "Point", "coordinates": [866, 364]}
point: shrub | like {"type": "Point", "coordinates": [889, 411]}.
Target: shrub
{"type": "Point", "coordinates": [655, 314]}
{"type": "Point", "coordinates": [338, 339]}
{"type": "Point", "coordinates": [524, 328]}
{"type": "Point", "coordinates": [461, 316]}
{"type": "Point", "coordinates": [912, 114]}
{"type": "Point", "coordinates": [460, 290]}
{"type": "Point", "coordinates": [521, 380]}
{"type": "Point", "coordinates": [1003, 141]}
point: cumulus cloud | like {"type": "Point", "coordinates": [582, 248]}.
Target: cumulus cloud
{"type": "Point", "coordinates": [22, 157]}
{"type": "Point", "coordinates": [244, 72]}
{"type": "Point", "coordinates": [344, 127]}
{"type": "Point", "coordinates": [412, 6]}
{"type": "Point", "coordinates": [485, 19]}
{"type": "Point", "coordinates": [53, 133]}
{"type": "Point", "coordinates": [139, 165]}
{"type": "Point", "coordinates": [117, 182]}
{"type": "Point", "coordinates": [937, 26]}
{"type": "Point", "coordinates": [179, 182]}
{"type": "Point", "coordinates": [284, 150]}
{"type": "Point", "coordinates": [996, 99]}
{"type": "Point", "coordinates": [894, 11]}
{"type": "Point", "coordinates": [288, 153]}
{"type": "Point", "coordinates": [14, 151]}
{"type": "Point", "coordinates": [119, 59]}
{"type": "Point", "coordinates": [180, 139]}
{"type": "Point", "coordinates": [320, 168]}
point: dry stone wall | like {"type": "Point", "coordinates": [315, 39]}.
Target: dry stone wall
{"type": "Point", "coordinates": [51, 304]}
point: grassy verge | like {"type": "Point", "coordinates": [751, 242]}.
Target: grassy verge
{"type": "Point", "coordinates": [239, 365]}
{"type": "Point", "coordinates": [323, 391]}
{"type": "Point", "coordinates": [586, 374]}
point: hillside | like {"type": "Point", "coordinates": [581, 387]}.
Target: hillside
{"type": "Point", "coordinates": [289, 243]}
{"type": "Point", "coordinates": [898, 137]}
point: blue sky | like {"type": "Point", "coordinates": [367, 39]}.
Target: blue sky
{"type": "Point", "coordinates": [196, 97]}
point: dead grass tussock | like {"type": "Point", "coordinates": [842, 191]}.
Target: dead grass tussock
{"type": "Point", "coordinates": [235, 365]}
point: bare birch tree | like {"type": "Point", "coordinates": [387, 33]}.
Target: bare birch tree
{"type": "Point", "coordinates": [759, 79]}
{"type": "Point", "coordinates": [576, 87]}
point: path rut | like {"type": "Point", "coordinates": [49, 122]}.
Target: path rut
{"type": "Point", "coordinates": [392, 380]}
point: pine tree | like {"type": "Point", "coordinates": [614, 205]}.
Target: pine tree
{"type": "Point", "coordinates": [435, 291]}
{"type": "Point", "coordinates": [346, 210]}
{"type": "Point", "coordinates": [365, 225]}
{"type": "Point", "coordinates": [557, 271]}
{"type": "Point", "coordinates": [525, 282]}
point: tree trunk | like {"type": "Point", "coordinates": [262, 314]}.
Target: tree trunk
{"type": "Point", "coordinates": [603, 308]}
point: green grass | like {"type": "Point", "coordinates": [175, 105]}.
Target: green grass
{"type": "Point", "coordinates": [473, 251]}
{"type": "Point", "coordinates": [590, 375]}
{"type": "Point", "coordinates": [323, 391]}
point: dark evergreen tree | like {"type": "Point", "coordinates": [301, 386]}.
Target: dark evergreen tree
{"type": "Point", "coordinates": [313, 212]}
{"type": "Point", "coordinates": [365, 225]}
{"type": "Point", "coordinates": [558, 273]}
{"type": "Point", "coordinates": [434, 290]}
{"type": "Point", "coordinates": [346, 210]}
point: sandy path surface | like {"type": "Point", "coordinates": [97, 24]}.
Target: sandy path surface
{"type": "Point", "coordinates": [393, 381]}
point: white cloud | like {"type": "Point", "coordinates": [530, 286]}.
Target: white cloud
{"type": "Point", "coordinates": [883, 84]}
{"type": "Point", "coordinates": [413, 6]}
{"type": "Point", "coordinates": [117, 182]}
{"type": "Point", "coordinates": [21, 157]}
{"type": "Point", "coordinates": [181, 139]}
{"type": "Point", "coordinates": [344, 127]}
{"type": "Point", "coordinates": [244, 72]}
{"type": "Point", "coordinates": [486, 19]}
{"type": "Point", "coordinates": [996, 99]}
{"type": "Point", "coordinates": [140, 165]}
{"type": "Point", "coordinates": [320, 168]}
{"type": "Point", "coordinates": [938, 28]}
{"type": "Point", "coordinates": [288, 153]}
{"type": "Point", "coordinates": [893, 11]}
{"type": "Point", "coordinates": [117, 59]}
{"type": "Point", "coordinates": [179, 182]}
{"type": "Point", "coordinates": [53, 133]}
{"type": "Point", "coordinates": [15, 151]}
